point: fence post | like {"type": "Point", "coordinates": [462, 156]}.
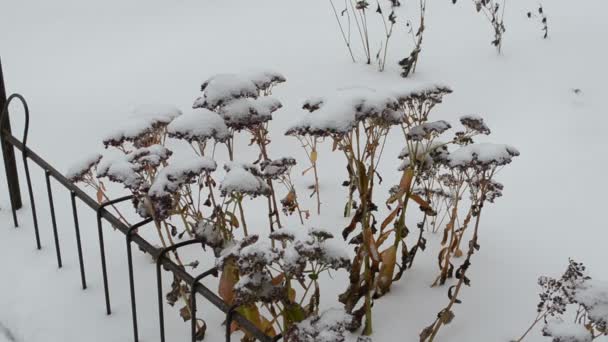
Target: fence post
{"type": "Point", "coordinates": [8, 151]}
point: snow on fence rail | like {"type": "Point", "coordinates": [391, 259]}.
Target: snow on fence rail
{"type": "Point", "coordinates": [9, 142]}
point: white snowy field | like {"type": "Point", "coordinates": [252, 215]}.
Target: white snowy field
{"type": "Point", "coordinates": [83, 64]}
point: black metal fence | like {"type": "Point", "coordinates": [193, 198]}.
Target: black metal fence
{"type": "Point", "coordinates": [9, 142]}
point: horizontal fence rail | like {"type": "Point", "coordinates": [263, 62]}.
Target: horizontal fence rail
{"type": "Point", "coordinates": [9, 142]}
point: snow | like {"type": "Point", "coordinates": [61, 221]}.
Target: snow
{"type": "Point", "coordinates": [141, 121]}
{"type": "Point", "coordinates": [77, 170]}
{"type": "Point", "coordinates": [329, 326]}
{"type": "Point", "coordinates": [152, 155]}
{"type": "Point", "coordinates": [340, 112]}
{"type": "Point", "coordinates": [247, 111]}
{"type": "Point", "coordinates": [81, 65]}
{"type": "Point", "coordinates": [482, 154]}
{"type": "Point", "coordinates": [178, 173]}
{"type": "Point", "coordinates": [567, 331]}
{"type": "Point", "coordinates": [425, 130]}
{"type": "Point", "coordinates": [594, 297]}
{"type": "Point", "coordinates": [120, 169]}
{"type": "Point", "coordinates": [265, 79]}
{"type": "Point", "coordinates": [199, 125]}
{"type": "Point", "coordinates": [220, 89]}
{"type": "Point", "coordinates": [241, 180]}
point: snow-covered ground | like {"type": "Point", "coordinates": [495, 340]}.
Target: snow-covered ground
{"type": "Point", "coordinates": [83, 64]}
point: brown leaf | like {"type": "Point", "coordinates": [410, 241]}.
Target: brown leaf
{"type": "Point", "coordinates": [185, 313]}
{"type": "Point", "coordinates": [228, 280]}
{"type": "Point", "coordinates": [233, 220]}
{"type": "Point", "coordinates": [406, 179]}
{"type": "Point", "coordinates": [100, 194]}
{"type": "Point", "coordinates": [390, 218]}
{"type": "Point", "coordinates": [385, 279]}
{"type": "Point", "coordinates": [424, 205]}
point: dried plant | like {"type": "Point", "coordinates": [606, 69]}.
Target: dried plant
{"type": "Point", "coordinates": [282, 280]}
{"type": "Point", "coordinates": [358, 131]}
{"type": "Point", "coordinates": [409, 63]}
{"type": "Point", "coordinates": [494, 12]}
{"type": "Point", "coordinates": [573, 290]}
{"type": "Point", "coordinates": [476, 165]}
{"type": "Point", "coordinates": [245, 104]}
{"type": "Point", "coordinates": [358, 11]}
{"type": "Point", "coordinates": [275, 282]}
{"type": "Point", "coordinates": [542, 18]}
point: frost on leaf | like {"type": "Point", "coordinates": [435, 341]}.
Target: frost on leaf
{"type": "Point", "coordinates": [243, 179]}
{"type": "Point", "coordinates": [143, 121]}
{"type": "Point", "coordinates": [79, 170]}
{"type": "Point", "coordinates": [199, 126]}
{"type": "Point", "coordinates": [482, 155]}
{"type": "Point", "coordinates": [341, 112]}
{"type": "Point", "coordinates": [329, 326]}
{"type": "Point", "coordinates": [562, 331]}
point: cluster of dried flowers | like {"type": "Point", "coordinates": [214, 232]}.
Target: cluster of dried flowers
{"type": "Point", "coordinates": [436, 177]}
{"type": "Point", "coordinates": [573, 290]}
{"type": "Point", "coordinates": [275, 281]}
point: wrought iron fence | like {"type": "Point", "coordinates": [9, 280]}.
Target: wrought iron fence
{"type": "Point", "coordinates": [9, 142]}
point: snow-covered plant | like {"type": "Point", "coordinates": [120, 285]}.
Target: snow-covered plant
{"type": "Point", "coordinates": [542, 19]}
{"type": "Point", "coordinates": [494, 12]}
{"type": "Point", "coordinates": [573, 308]}
{"type": "Point", "coordinates": [329, 326]}
{"type": "Point", "coordinates": [358, 120]}
{"type": "Point", "coordinates": [280, 170]}
{"type": "Point", "coordinates": [177, 190]}
{"type": "Point", "coordinates": [244, 102]}
{"type": "Point", "coordinates": [281, 281]}
{"type": "Point", "coordinates": [476, 164]}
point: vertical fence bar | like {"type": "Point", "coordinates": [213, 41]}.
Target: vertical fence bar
{"type": "Point", "coordinates": [83, 278]}
{"type": "Point", "coordinates": [159, 281]}
{"type": "Point", "coordinates": [3, 140]}
{"type": "Point", "coordinates": [132, 230]}
{"type": "Point", "coordinates": [8, 153]}
{"type": "Point", "coordinates": [53, 218]}
{"type": "Point", "coordinates": [102, 248]}
{"type": "Point", "coordinates": [193, 319]}
{"type": "Point", "coordinates": [229, 316]}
